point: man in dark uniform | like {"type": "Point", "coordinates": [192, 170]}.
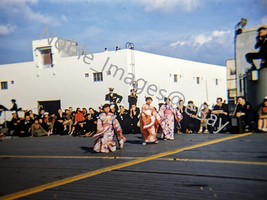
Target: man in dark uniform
{"type": "Point", "coordinates": [132, 98]}
{"type": "Point", "coordinates": [113, 98]}
{"type": "Point", "coordinates": [221, 111]}
{"type": "Point", "coordinates": [244, 112]}
{"type": "Point", "coordinates": [262, 53]}
{"type": "Point", "coordinates": [190, 118]}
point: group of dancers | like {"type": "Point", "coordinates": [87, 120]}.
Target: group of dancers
{"type": "Point", "coordinates": [150, 120]}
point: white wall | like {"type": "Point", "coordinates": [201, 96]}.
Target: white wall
{"type": "Point", "coordinates": [159, 70]}
{"type": "Point", "coordinates": [66, 81]}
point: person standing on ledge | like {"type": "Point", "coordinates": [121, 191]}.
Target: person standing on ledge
{"type": "Point", "coordinates": [262, 53]}
{"type": "Point", "coordinates": [14, 105]}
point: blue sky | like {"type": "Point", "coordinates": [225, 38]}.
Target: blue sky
{"type": "Point", "coordinates": [198, 30]}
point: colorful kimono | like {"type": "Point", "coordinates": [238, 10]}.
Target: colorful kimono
{"type": "Point", "coordinates": [106, 125]}
{"type": "Point", "coordinates": [148, 124]}
{"type": "Point", "coordinates": [167, 116]}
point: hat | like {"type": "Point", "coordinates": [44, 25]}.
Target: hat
{"type": "Point", "coordinates": [13, 100]}
{"type": "Point", "coordinates": [262, 28]}
{"type": "Point", "coordinates": [13, 112]}
{"type": "Point", "coordinates": [46, 113]}
{"type": "Point", "coordinates": [111, 88]}
{"type": "Point", "coordinates": [265, 98]}
{"type": "Point", "coordinates": [112, 106]}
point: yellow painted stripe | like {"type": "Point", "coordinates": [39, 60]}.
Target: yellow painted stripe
{"type": "Point", "coordinates": [135, 158]}
{"type": "Point", "coordinates": [216, 161]}
{"type": "Point", "coordinates": [69, 157]}
{"type": "Point", "coordinates": [54, 184]}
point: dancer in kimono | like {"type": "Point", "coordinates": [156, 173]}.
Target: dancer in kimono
{"type": "Point", "coordinates": [168, 114]}
{"type": "Point", "coordinates": [148, 122]}
{"type": "Point", "coordinates": [107, 125]}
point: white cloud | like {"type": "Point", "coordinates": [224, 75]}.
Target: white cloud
{"type": "Point", "coordinates": [169, 5]}
{"type": "Point", "coordinates": [216, 37]}
{"type": "Point", "coordinates": [22, 9]}
{"type": "Point", "coordinates": [179, 43]}
{"type": "Point", "coordinates": [6, 30]}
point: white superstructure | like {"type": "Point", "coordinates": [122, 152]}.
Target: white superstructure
{"type": "Point", "coordinates": [62, 72]}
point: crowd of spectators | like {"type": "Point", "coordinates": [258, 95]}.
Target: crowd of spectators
{"type": "Point", "coordinates": [83, 122]}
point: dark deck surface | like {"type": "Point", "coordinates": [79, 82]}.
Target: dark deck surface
{"type": "Point", "coordinates": [193, 166]}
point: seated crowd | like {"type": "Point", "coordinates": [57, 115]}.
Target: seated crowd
{"type": "Point", "coordinates": [83, 122]}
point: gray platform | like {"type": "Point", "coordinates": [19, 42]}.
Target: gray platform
{"type": "Point", "coordinates": [231, 169]}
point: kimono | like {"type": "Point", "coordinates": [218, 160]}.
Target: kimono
{"type": "Point", "coordinates": [148, 124]}
{"type": "Point", "coordinates": [106, 125]}
{"type": "Point", "coordinates": [168, 114]}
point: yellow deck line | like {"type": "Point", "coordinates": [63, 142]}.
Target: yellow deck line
{"type": "Point", "coordinates": [64, 181]}
{"type": "Point", "coordinates": [135, 158]}
{"type": "Point", "coordinates": [216, 161]}
{"type": "Point", "coordinates": [69, 157]}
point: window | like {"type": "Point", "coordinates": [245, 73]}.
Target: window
{"type": "Point", "coordinates": [98, 76]}
{"type": "Point", "coordinates": [198, 80]}
{"type": "Point", "coordinates": [86, 75]}
{"type": "Point", "coordinates": [4, 85]}
{"type": "Point", "coordinates": [175, 78]}
{"type": "Point", "coordinates": [45, 57]}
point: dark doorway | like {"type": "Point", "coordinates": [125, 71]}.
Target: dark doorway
{"type": "Point", "coordinates": [50, 106]}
